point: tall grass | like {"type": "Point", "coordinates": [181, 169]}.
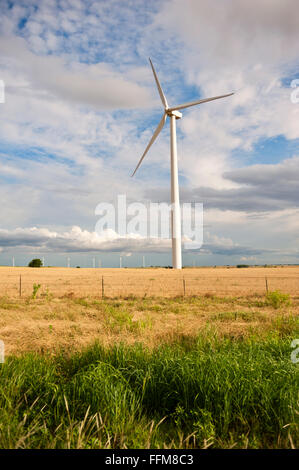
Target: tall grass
{"type": "Point", "coordinates": [208, 391]}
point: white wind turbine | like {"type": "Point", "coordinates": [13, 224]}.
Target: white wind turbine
{"type": "Point", "coordinates": [174, 114]}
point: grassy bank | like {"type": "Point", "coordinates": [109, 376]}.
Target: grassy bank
{"type": "Point", "coordinates": [193, 392]}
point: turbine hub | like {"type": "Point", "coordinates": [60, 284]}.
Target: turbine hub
{"type": "Point", "coordinates": [177, 114]}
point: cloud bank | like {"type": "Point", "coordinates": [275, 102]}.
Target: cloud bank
{"type": "Point", "coordinates": [82, 241]}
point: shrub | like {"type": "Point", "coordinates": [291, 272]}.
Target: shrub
{"type": "Point", "coordinates": [276, 299]}
{"type": "Point", "coordinates": [35, 290]}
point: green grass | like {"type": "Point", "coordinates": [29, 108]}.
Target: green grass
{"type": "Point", "coordinates": [8, 304]}
{"type": "Point", "coordinates": [193, 392]}
{"type": "Point", "coordinates": [277, 299]}
{"type": "Point", "coordinates": [238, 315]}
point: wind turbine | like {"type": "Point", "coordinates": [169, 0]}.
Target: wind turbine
{"type": "Point", "coordinates": [173, 113]}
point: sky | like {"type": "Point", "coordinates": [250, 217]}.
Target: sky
{"type": "Point", "coordinates": [81, 105]}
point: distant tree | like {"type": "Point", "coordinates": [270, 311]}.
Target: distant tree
{"type": "Point", "coordinates": [35, 263]}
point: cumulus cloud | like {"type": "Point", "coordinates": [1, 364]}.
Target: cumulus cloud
{"type": "Point", "coordinates": [77, 240]}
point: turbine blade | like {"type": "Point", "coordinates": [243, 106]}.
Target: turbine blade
{"type": "Point", "coordinates": [155, 135]}
{"type": "Point", "coordinates": [193, 103]}
{"type": "Point", "coordinates": [162, 96]}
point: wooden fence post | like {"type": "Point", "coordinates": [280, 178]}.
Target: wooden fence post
{"type": "Point", "coordinates": [102, 287]}
{"type": "Point", "coordinates": [266, 285]}
{"type": "Point", "coordinates": [184, 287]}
{"type": "Point", "coordinates": [20, 286]}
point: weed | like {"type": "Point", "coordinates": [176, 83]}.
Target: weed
{"type": "Point", "coordinates": [35, 290]}
{"type": "Point", "coordinates": [82, 301]}
{"type": "Point", "coordinates": [277, 299]}
{"type": "Point", "coordinates": [47, 295]}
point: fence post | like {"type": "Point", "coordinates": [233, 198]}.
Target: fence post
{"type": "Point", "coordinates": [20, 286]}
{"type": "Point", "coordinates": [266, 285]}
{"type": "Point", "coordinates": [102, 287]}
{"type": "Point", "coordinates": [184, 287]}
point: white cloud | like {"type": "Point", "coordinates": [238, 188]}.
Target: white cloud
{"type": "Point", "coordinates": [77, 240]}
{"type": "Point", "coordinates": [95, 85]}
{"type": "Point", "coordinates": [236, 45]}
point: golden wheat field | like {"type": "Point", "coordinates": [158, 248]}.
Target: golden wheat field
{"type": "Point", "coordinates": [141, 305]}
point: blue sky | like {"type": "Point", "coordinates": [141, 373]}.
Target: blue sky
{"type": "Point", "coordinates": [81, 106]}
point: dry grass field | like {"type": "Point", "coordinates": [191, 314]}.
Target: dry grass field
{"type": "Point", "coordinates": [149, 282]}
{"type": "Point", "coordinates": [140, 305]}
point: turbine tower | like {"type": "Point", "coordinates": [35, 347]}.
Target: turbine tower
{"type": "Point", "coordinates": [174, 114]}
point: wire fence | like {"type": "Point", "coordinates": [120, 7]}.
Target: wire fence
{"type": "Point", "coordinates": [99, 284]}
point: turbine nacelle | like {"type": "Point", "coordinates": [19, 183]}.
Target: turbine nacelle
{"type": "Point", "coordinates": [175, 113]}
